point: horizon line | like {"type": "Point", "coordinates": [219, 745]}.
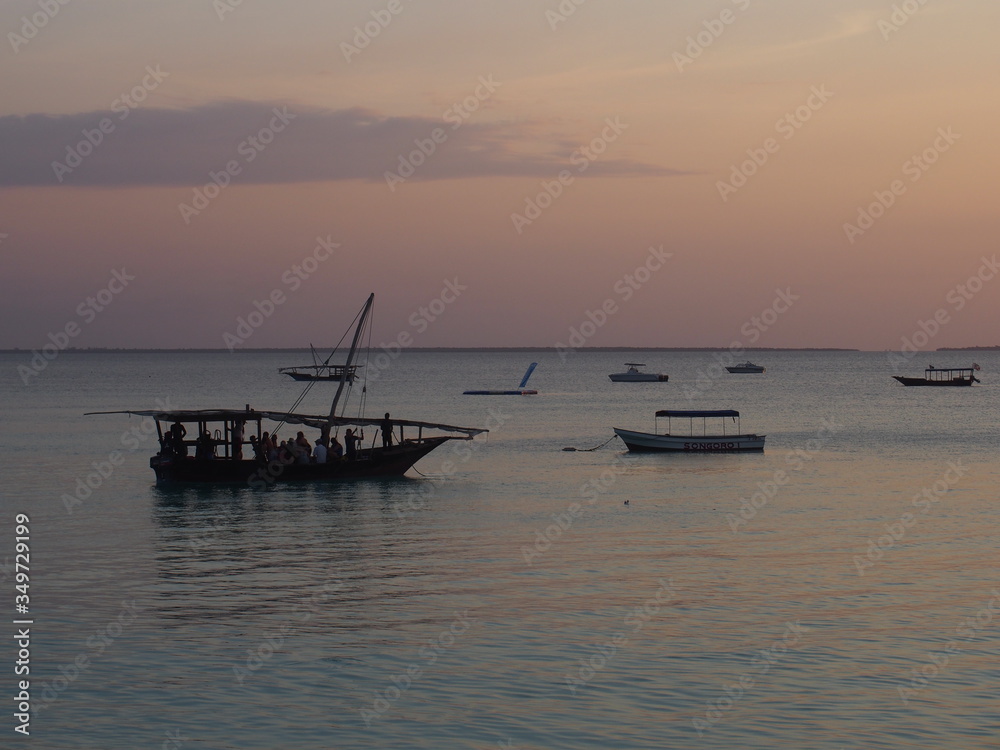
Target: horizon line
{"type": "Point", "coordinates": [259, 350]}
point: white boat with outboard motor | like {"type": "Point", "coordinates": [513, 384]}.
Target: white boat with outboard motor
{"type": "Point", "coordinates": [634, 375]}
{"type": "Point", "coordinates": [747, 367]}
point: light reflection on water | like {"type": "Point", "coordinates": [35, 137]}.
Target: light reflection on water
{"type": "Point", "coordinates": [456, 606]}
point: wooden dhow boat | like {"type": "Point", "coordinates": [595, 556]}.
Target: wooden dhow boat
{"type": "Point", "coordinates": [320, 370]}
{"type": "Point", "coordinates": [225, 446]}
{"type": "Point", "coordinates": [948, 377]}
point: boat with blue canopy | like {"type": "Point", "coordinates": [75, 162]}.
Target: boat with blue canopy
{"type": "Point", "coordinates": [718, 440]}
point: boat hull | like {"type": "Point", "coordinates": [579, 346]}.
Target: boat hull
{"type": "Point", "coordinates": [638, 377]}
{"type": "Point", "coordinates": [374, 462]}
{"type": "Point", "coordinates": [647, 442]}
{"type": "Point", "coordinates": [500, 393]}
{"type": "Point", "coordinates": [955, 382]}
{"type": "Point", "coordinates": [746, 370]}
{"type": "Point", "coordinates": [301, 376]}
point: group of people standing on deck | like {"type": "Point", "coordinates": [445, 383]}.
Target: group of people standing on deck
{"type": "Point", "coordinates": [268, 448]}
{"type": "Point", "coordinates": [298, 450]}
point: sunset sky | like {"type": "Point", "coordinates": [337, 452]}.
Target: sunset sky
{"type": "Point", "coordinates": [500, 172]}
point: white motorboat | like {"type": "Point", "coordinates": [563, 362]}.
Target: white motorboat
{"type": "Point", "coordinates": [634, 375]}
{"type": "Point", "coordinates": [746, 367]}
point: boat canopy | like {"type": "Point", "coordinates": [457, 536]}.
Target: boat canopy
{"type": "Point", "coordinates": [692, 414]}
{"type": "Point", "coordinates": [245, 415]}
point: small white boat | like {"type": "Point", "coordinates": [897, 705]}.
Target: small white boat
{"type": "Point", "coordinates": [747, 366]}
{"type": "Point", "coordinates": [715, 442]}
{"type": "Point", "coordinates": [633, 375]}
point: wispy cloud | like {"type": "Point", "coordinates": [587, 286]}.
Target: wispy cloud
{"type": "Point", "coordinates": [150, 146]}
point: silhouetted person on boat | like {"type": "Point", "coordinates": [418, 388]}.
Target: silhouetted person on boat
{"type": "Point", "coordinates": [167, 444]}
{"type": "Point", "coordinates": [386, 428]}
{"type": "Point", "coordinates": [269, 447]}
{"type": "Point", "coordinates": [336, 451]}
{"type": "Point", "coordinates": [177, 434]}
{"type": "Point", "coordinates": [319, 452]}
{"type": "Point", "coordinates": [205, 449]}
{"type": "Point", "coordinates": [258, 449]}
{"type": "Point", "coordinates": [237, 446]}
{"type": "Point", "coordinates": [303, 442]}
{"type": "Point", "coordinates": [351, 440]}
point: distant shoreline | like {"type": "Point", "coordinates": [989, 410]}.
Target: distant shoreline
{"type": "Point", "coordinates": [446, 349]}
{"type": "Point", "coordinates": [469, 349]}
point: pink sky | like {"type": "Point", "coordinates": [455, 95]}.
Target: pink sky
{"type": "Point", "coordinates": [539, 158]}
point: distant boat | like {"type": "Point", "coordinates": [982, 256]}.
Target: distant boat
{"type": "Point", "coordinates": [633, 375]}
{"type": "Point", "coordinates": [954, 376]}
{"type": "Point", "coordinates": [746, 367]}
{"type": "Point", "coordinates": [521, 390]}
{"type": "Point", "coordinates": [715, 442]}
{"type": "Point", "coordinates": [320, 370]}
{"type": "Point", "coordinates": [225, 452]}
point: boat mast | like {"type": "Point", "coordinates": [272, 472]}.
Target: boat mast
{"type": "Point", "coordinates": [350, 356]}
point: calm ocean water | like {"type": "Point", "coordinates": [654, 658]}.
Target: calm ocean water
{"type": "Point", "coordinates": [506, 596]}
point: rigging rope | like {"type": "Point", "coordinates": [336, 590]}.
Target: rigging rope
{"type": "Point", "coordinates": [311, 383]}
{"type": "Point", "coordinates": [585, 450]}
